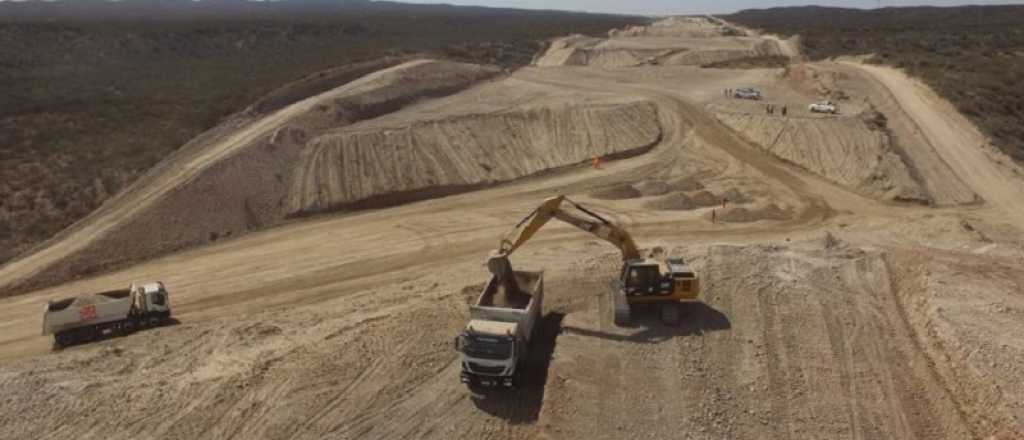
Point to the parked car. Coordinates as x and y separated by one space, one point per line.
747 93
823 107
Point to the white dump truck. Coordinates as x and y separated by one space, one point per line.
117 312
496 341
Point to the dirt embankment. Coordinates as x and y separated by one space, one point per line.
673 41
229 181
759 49
688 27
846 150
385 167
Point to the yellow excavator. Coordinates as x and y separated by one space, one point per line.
666 281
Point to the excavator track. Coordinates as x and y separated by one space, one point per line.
670 313
622 310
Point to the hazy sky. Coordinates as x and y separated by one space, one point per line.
663 7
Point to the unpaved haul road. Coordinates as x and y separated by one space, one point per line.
958 142
341 326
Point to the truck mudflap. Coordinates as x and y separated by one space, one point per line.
471 379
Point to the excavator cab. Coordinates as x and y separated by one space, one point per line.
642 279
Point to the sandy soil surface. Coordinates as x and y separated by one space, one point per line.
829 309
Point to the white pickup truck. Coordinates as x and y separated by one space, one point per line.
496 341
823 107
117 312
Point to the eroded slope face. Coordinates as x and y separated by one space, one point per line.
304 160
465 151
845 150
229 180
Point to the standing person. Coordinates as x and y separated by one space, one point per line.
767 109
783 110
713 216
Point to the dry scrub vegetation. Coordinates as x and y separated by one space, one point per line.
973 56
91 100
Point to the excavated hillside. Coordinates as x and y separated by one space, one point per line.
448 155
304 159
846 150
579 50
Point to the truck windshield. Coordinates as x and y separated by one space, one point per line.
486 347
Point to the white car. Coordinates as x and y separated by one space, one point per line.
823 107
747 93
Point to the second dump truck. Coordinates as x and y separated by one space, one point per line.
495 343
88 317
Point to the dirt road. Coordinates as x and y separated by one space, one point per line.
901 324
989 173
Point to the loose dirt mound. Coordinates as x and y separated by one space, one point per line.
845 150
653 187
672 202
680 201
705 198
686 184
743 214
341 169
618 192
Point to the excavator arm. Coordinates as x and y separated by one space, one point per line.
591 222
552 208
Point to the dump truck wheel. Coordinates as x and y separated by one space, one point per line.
622 311
670 314
128 327
62 339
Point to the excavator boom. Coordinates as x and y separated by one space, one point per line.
590 222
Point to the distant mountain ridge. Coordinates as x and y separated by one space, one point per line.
61 10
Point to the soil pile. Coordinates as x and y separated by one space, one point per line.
743 214
681 201
653 187
672 202
617 192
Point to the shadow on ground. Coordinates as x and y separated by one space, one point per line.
695 320
522 404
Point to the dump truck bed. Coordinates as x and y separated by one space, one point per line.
522 307
90 309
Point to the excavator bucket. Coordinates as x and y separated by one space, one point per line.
501 268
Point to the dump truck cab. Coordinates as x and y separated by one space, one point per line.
495 343
489 352
152 298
